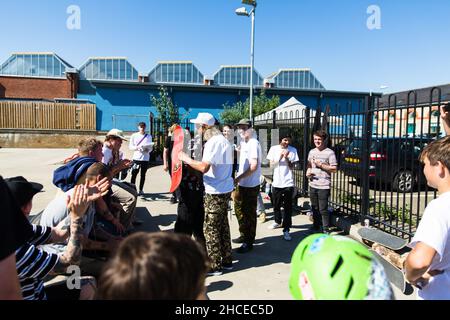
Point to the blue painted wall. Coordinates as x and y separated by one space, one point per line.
123 106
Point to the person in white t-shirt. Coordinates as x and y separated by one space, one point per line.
216 166
248 183
141 143
427 266
282 158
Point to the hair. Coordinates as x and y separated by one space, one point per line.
142 124
173 127
88 145
227 125
155 266
284 136
438 150
98 169
321 133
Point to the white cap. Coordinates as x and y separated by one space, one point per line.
204 118
116 133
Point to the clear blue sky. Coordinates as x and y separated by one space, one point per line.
411 50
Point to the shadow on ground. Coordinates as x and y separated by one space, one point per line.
153 223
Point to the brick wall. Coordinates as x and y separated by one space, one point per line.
37 88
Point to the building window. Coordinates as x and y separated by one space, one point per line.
391 125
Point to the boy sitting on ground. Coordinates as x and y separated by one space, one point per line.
33 263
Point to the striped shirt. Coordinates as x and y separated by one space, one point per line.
34 264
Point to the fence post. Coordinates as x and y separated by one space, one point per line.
306 135
367 140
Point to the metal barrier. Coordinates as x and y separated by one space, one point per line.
377 144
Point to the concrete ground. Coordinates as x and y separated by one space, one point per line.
262 274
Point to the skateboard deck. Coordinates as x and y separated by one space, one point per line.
177 165
394 274
383 238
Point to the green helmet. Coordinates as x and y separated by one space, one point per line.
336 268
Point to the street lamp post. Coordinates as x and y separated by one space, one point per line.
243 12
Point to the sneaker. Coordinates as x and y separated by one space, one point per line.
215 272
287 236
274 226
173 200
262 217
246 247
141 193
238 240
228 266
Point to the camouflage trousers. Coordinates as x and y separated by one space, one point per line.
245 201
217 229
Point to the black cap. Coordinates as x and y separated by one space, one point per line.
22 190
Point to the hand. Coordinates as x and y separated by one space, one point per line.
120 228
445 115
166 168
309 173
236 180
284 154
124 164
98 190
78 203
318 163
182 156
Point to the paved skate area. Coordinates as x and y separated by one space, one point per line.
262 274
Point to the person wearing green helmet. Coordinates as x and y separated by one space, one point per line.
328 267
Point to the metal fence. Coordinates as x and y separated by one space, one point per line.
377 144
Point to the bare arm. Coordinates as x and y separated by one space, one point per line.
418 262
60 233
203 167
165 158
445 116
328 168
77 206
10 287
252 168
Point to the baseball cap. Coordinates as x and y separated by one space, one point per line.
244 122
22 190
204 118
116 133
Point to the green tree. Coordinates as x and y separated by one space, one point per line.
261 104
168 112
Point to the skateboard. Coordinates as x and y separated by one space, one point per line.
177 165
372 235
383 246
394 274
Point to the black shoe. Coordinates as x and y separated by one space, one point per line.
228 266
173 200
238 240
246 247
326 231
137 222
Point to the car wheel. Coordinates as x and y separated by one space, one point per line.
404 181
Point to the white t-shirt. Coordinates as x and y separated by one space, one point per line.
434 231
218 153
108 156
146 145
282 174
250 150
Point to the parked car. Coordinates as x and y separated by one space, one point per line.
392 161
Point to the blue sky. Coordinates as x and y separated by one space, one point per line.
329 36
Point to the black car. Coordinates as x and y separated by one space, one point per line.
392 161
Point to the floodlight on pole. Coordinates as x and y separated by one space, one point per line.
243 12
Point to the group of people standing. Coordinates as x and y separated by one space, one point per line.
212 180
